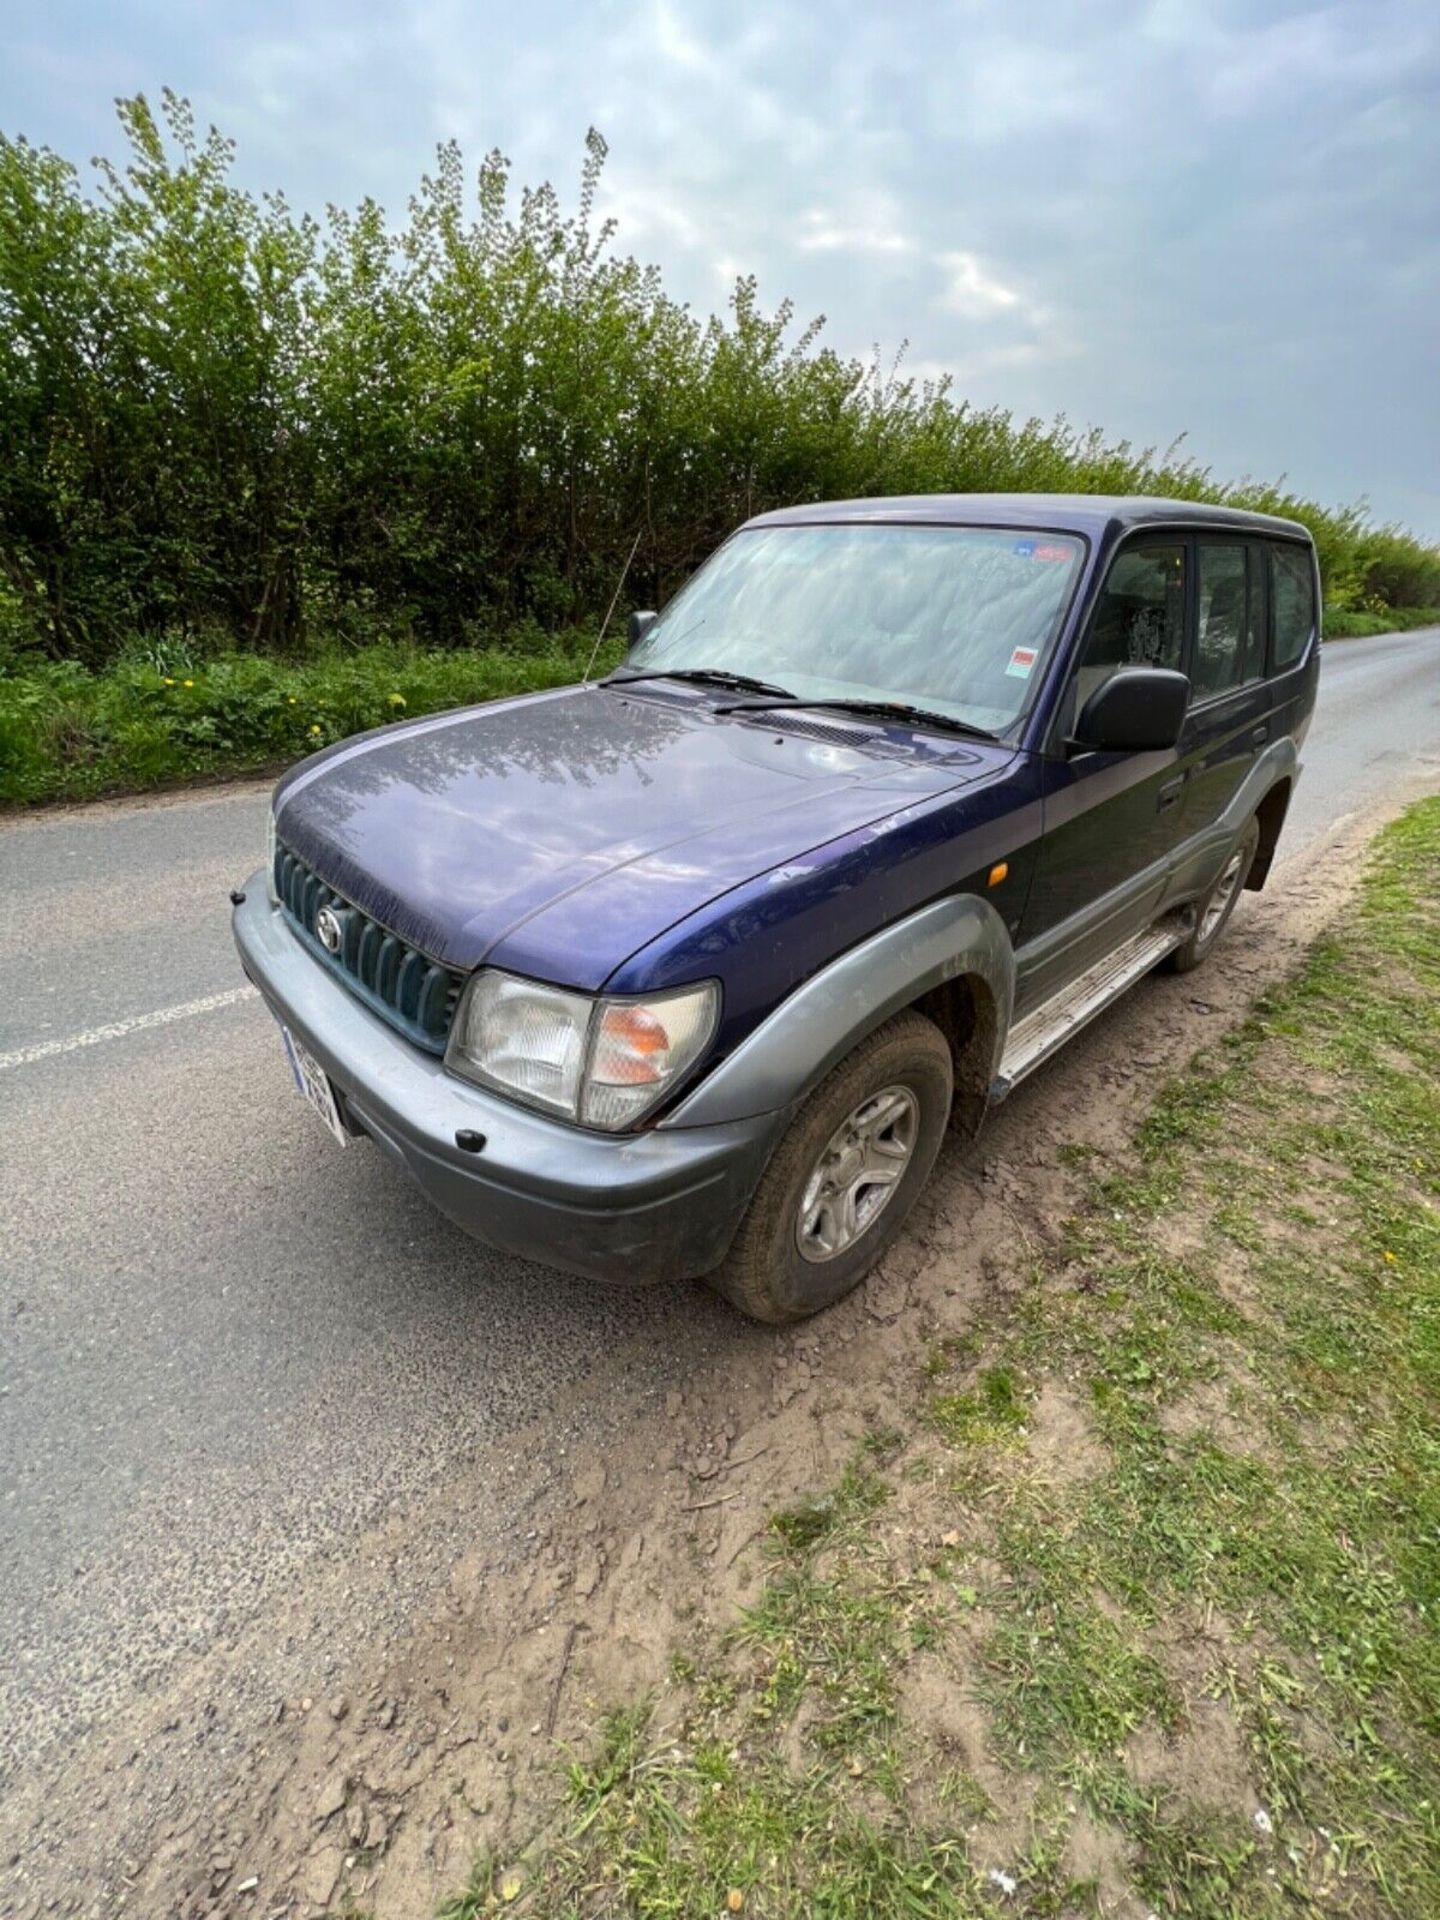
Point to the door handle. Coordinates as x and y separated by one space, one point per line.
1259 735
1170 793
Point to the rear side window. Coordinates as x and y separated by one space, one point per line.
1230 627
1223 619
1292 598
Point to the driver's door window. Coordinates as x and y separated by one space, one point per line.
1139 620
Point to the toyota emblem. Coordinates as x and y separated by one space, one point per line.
328 930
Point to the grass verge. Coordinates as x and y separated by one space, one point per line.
1136 1612
1344 623
164 716
67 734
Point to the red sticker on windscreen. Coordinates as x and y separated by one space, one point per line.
1053 553
1021 661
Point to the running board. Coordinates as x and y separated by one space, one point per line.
1043 1032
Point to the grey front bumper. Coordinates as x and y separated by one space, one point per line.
634 1208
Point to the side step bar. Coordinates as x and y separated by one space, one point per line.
1033 1039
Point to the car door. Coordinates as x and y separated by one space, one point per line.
1111 819
1229 718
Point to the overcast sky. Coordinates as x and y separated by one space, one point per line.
1216 217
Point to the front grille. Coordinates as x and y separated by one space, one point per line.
399 982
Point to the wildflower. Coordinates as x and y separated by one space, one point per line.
168 681
314 729
397 699
292 699
189 683
1390 1258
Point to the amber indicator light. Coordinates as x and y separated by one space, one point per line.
998 872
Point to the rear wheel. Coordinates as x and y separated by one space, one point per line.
1216 907
841 1182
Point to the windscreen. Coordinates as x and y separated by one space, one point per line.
956 619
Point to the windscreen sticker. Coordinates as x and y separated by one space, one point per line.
1025 549
1021 661
1053 553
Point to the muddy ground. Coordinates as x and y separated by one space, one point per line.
372 1789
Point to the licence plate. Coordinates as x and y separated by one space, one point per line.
314 1083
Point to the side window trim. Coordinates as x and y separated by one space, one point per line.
1270 598
1190 636
1260 584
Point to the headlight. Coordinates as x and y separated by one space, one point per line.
270 852
603 1063
525 1038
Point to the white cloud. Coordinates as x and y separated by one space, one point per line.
647 213
675 42
818 234
974 292
873 225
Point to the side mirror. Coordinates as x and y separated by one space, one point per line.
638 625
1137 710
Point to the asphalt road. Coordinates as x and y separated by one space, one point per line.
226 1346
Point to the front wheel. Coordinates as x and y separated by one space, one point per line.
1216 907
842 1180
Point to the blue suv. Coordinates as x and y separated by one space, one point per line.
685 972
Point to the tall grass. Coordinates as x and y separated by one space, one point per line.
166 715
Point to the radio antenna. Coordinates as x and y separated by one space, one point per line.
585 677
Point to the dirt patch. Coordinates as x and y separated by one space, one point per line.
1208 1761
965 1786
378 1786
1063 1445
1206 1409
1098 1854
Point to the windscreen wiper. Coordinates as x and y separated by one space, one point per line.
705 677
881 709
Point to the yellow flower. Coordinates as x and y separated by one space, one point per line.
314 729
397 699
188 683
292 699
1390 1256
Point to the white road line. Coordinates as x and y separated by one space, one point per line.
117 1030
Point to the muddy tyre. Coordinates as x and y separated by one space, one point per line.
1213 910
843 1179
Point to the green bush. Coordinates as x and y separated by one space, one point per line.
1348 623
67 733
226 427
